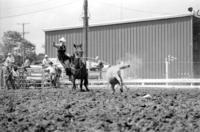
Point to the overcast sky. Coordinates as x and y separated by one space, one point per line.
43 14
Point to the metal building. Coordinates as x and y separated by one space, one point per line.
147 43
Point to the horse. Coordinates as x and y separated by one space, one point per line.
74 66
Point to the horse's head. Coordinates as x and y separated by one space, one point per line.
78 50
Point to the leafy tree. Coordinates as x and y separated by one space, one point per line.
13 39
10 39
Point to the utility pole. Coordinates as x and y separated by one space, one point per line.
23 36
85 27
23 29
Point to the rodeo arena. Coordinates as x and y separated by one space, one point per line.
127 76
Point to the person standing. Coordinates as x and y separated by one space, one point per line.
10 60
26 64
52 72
15 74
8 71
99 66
46 61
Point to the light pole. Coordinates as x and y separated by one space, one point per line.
85 27
195 13
168 59
23 36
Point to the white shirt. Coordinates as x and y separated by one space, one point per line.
45 61
51 70
27 62
15 73
9 61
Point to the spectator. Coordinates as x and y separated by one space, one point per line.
8 70
15 74
52 72
99 66
9 60
46 61
26 64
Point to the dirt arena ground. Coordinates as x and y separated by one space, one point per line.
62 110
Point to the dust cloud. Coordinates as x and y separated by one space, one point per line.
128 73
135 66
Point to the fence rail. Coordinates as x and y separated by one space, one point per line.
33 77
154 83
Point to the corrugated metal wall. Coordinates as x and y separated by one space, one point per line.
146 44
196 47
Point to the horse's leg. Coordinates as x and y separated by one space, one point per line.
113 88
7 83
74 83
121 88
54 81
86 83
81 85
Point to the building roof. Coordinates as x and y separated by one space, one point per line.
121 22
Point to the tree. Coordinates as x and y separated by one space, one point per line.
13 39
1 49
10 39
1 53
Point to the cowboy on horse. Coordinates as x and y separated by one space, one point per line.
62 57
74 66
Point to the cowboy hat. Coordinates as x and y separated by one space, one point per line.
62 39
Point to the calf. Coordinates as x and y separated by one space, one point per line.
114 76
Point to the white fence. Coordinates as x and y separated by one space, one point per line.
34 77
154 83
